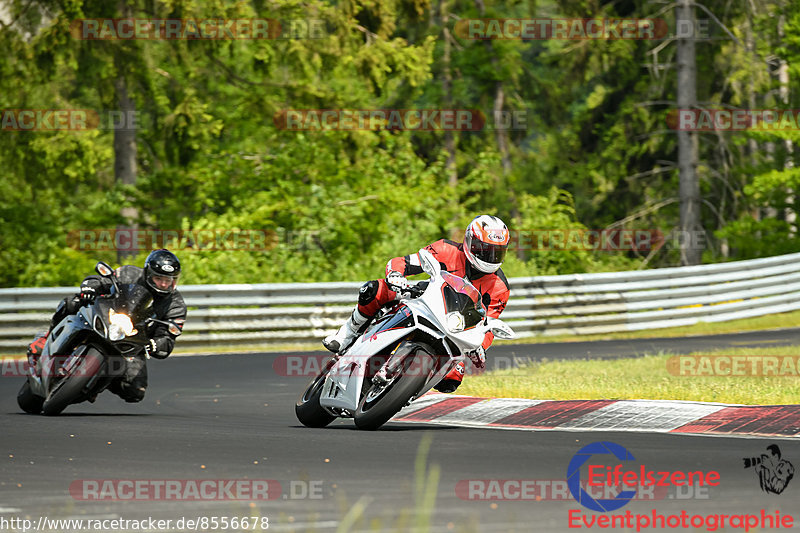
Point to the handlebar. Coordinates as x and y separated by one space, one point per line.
416 291
412 291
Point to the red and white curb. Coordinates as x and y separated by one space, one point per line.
653 416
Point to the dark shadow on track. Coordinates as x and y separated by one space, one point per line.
387 428
81 415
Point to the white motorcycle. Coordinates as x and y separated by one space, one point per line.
402 353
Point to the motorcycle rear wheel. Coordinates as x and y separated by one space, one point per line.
28 401
378 406
70 388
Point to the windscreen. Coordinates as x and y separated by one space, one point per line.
132 300
462 296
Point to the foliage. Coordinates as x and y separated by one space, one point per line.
593 149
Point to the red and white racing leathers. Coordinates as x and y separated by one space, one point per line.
493 286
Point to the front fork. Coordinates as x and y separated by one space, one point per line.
386 373
388 370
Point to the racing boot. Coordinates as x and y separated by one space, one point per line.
453 379
35 348
347 333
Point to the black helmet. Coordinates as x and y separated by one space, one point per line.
162 270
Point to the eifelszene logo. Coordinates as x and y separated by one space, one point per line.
774 473
616 476
609 466
574 476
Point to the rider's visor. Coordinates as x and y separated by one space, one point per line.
164 283
488 252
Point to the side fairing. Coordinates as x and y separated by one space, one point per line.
59 342
343 384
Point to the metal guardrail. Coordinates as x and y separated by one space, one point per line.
281 313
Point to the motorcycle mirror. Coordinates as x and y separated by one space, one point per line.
500 329
103 269
429 265
172 327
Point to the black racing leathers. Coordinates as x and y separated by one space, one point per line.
131 387
166 306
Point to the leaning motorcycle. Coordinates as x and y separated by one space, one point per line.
86 351
402 353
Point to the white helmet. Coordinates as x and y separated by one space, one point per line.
486 243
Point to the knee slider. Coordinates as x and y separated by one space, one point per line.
65 307
71 305
368 292
131 393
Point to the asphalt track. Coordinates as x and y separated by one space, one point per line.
231 417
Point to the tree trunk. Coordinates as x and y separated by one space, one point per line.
124 139
447 91
783 91
690 223
125 159
752 144
501 135
500 132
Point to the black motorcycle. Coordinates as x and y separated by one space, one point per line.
87 351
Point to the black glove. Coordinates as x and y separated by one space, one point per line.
397 281
151 350
404 288
478 357
87 295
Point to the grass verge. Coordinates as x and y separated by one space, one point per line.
637 378
776 321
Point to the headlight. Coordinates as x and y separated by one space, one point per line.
455 321
120 326
115 333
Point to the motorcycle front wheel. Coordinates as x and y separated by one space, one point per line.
70 388
307 409
381 402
